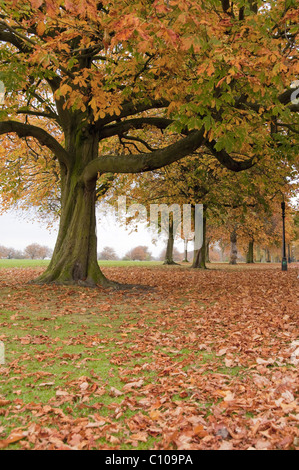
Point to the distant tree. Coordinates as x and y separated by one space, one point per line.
45 252
177 256
36 251
140 253
18 254
11 253
107 253
3 252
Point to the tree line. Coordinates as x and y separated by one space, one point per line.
32 251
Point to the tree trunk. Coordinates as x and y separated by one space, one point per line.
185 260
199 256
258 254
74 259
170 244
289 254
208 251
222 248
234 250
249 256
268 256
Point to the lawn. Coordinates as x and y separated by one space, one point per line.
200 360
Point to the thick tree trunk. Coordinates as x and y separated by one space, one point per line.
268 256
74 259
233 250
249 256
199 256
170 244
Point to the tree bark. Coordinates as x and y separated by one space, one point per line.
208 251
249 256
222 250
185 260
74 259
289 254
234 250
199 256
258 254
170 244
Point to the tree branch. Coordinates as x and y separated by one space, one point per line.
226 160
6 35
141 141
42 136
144 161
225 5
137 123
284 98
39 114
130 109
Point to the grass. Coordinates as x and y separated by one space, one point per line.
35 263
23 263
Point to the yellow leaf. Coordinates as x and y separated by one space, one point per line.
41 28
155 414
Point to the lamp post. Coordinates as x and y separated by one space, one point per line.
284 263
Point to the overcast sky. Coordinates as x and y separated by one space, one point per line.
17 230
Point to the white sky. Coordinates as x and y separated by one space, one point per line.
18 230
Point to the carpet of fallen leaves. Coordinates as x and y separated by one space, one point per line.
204 360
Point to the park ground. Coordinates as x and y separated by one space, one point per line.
199 360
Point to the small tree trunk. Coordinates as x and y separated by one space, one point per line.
199 256
268 256
208 251
185 260
234 250
249 257
170 244
289 254
222 248
258 254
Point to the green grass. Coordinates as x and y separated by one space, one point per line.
32 263
23 263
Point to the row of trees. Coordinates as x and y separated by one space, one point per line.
32 251
140 253
217 251
242 209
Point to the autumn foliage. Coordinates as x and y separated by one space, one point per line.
81 75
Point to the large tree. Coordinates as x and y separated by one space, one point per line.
217 73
